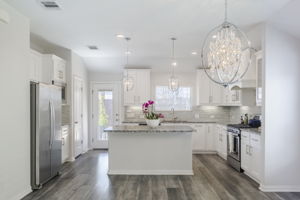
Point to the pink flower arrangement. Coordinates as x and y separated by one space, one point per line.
148 111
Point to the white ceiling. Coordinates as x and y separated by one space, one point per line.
150 24
288 18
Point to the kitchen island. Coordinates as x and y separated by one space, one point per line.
141 150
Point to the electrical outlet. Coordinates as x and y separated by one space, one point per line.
197 116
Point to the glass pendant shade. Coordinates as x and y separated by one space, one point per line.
173 83
128 83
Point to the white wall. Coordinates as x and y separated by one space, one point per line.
281 111
102 77
14 106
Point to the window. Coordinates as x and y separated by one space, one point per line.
165 100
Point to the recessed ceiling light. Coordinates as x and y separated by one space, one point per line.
127 52
194 53
214 36
92 47
120 36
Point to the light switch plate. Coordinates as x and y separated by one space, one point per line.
197 116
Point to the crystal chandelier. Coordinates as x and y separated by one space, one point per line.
127 80
173 80
226 53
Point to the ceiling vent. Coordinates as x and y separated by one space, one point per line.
49 4
93 47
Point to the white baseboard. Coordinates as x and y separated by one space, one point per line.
279 188
204 152
150 172
22 194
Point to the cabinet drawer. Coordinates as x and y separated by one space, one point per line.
255 140
245 137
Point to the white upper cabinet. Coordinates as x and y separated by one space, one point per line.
141 87
36 62
259 66
54 69
208 92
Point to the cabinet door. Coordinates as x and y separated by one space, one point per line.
259 65
216 93
245 159
255 152
203 88
130 96
65 148
59 70
199 138
35 66
219 139
210 138
224 142
235 97
143 86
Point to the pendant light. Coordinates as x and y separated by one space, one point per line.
128 81
173 80
226 53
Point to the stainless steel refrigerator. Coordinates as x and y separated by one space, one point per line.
45 117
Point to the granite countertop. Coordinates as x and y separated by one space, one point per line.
252 130
172 122
147 129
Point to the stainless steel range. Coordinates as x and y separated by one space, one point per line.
234 145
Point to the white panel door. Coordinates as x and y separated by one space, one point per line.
105 111
78 105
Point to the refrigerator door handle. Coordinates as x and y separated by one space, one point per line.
51 123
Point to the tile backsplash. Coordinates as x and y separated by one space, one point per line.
198 113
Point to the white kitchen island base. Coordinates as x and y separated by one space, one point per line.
151 153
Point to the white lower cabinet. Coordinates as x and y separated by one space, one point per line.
203 138
198 138
251 154
221 140
65 149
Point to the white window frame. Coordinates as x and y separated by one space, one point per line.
177 110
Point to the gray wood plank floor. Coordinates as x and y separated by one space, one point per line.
86 178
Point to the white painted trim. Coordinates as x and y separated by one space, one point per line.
204 152
250 176
22 194
91 119
279 188
150 172
72 117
